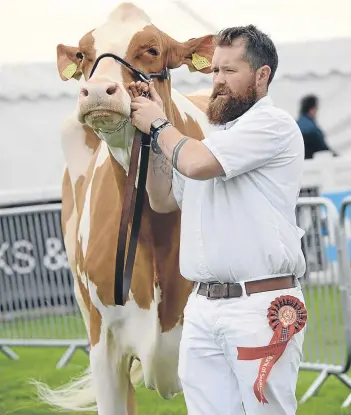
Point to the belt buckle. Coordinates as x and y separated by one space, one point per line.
209 284
208 291
225 293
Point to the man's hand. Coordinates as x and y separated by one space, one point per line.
144 110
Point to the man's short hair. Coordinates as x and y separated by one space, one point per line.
260 49
307 103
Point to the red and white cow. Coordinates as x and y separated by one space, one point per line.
141 339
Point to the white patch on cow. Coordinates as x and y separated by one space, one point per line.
84 225
109 377
77 154
78 157
187 108
137 332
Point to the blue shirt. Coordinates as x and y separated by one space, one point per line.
313 136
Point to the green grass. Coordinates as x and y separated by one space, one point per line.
18 397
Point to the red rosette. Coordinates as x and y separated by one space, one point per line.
287 315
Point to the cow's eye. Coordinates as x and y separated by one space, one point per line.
79 55
153 51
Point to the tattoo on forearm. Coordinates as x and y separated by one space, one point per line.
160 164
176 150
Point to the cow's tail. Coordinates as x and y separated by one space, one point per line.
78 395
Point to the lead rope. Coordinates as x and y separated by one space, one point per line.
132 208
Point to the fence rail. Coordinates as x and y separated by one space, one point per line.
37 303
38 308
327 343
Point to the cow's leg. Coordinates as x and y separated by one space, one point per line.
110 372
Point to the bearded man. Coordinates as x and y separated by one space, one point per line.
237 190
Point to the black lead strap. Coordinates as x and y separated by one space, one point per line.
133 200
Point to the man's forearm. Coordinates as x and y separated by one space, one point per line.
159 183
193 160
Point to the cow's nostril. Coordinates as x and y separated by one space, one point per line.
111 89
84 92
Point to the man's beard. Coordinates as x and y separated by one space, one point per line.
223 109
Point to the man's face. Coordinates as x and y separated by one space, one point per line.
235 87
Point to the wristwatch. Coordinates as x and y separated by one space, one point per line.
156 127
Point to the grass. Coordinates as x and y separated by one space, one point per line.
323 343
17 396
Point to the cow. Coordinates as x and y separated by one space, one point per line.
137 342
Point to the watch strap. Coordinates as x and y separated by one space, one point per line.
155 134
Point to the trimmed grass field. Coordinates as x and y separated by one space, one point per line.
323 343
17 396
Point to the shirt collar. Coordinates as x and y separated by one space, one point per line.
262 102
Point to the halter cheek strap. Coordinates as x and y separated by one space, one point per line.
142 76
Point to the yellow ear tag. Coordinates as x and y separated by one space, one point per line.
200 62
69 71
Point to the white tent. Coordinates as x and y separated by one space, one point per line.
34 101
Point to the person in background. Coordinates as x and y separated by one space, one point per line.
313 136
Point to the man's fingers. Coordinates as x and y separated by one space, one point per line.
140 100
135 105
154 95
134 120
142 87
132 90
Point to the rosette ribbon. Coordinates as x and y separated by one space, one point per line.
287 315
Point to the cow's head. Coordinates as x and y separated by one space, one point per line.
104 103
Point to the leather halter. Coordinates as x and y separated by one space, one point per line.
133 199
142 76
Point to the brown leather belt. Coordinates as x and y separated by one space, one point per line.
215 290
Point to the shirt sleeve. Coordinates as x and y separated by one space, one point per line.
178 183
250 143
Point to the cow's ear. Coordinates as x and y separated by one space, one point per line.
68 63
197 53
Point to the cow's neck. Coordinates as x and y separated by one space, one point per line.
120 144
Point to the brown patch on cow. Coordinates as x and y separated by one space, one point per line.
174 288
79 186
95 325
105 212
94 313
86 47
85 293
201 101
194 128
67 200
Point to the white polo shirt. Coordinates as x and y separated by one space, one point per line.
241 226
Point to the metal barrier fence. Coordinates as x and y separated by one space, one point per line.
38 308
327 340
37 303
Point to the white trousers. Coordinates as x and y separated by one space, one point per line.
214 381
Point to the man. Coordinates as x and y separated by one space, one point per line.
312 135
237 190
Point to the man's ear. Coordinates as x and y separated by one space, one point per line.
197 53
68 64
